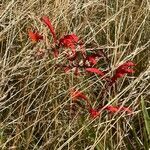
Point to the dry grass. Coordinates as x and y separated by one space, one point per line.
34 96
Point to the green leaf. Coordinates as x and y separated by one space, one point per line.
146 118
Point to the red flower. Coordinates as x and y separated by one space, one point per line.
69 41
122 70
95 70
112 109
47 21
35 36
94 113
128 64
75 94
115 109
126 109
91 59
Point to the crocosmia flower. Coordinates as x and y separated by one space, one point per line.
69 41
95 70
125 109
47 22
92 59
94 113
75 94
114 109
35 36
122 70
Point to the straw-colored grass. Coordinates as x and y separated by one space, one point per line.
34 95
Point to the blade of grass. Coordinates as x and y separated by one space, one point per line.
146 117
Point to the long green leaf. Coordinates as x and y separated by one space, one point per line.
146 117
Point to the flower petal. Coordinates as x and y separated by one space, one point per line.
95 70
126 109
115 109
112 109
91 60
75 94
94 113
122 70
47 21
69 41
129 63
35 36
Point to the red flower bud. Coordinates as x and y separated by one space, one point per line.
95 70
115 109
94 113
35 36
47 22
112 109
75 94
